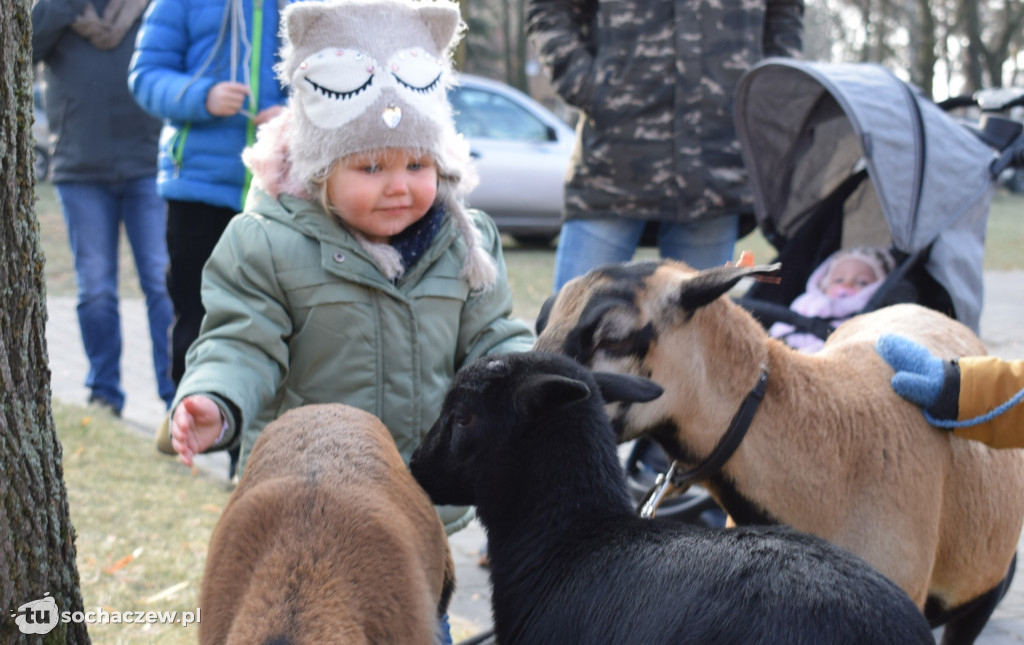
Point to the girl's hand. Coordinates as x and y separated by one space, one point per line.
226 98
195 426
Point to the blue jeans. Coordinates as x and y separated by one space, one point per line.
94 212
444 632
586 244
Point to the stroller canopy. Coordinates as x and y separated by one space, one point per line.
805 127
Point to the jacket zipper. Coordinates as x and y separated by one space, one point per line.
178 148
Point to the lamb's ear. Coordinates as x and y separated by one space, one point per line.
541 393
709 284
626 388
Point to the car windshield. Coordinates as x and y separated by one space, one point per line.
486 115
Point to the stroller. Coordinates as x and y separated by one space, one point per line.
846 155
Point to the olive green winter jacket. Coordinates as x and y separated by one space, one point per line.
298 313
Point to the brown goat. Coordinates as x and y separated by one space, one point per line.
832 450
327 538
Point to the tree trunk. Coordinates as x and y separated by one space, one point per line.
925 56
507 37
975 47
37 548
521 82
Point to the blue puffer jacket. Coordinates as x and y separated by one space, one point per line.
173 71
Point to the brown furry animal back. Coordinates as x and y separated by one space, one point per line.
327 538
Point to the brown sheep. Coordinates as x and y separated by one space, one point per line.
327 538
831 451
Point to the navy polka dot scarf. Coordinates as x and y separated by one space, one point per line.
415 240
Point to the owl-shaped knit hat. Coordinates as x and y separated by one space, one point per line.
373 74
368 75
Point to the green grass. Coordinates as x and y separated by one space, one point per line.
531 270
1004 237
142 523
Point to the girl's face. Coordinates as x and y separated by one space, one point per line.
381 194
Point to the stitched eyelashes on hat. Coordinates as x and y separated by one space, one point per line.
336 85
423 90
339 94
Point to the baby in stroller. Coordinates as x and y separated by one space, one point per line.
839 288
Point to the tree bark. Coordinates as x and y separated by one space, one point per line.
925 55
37 549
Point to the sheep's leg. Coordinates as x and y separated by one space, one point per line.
965 623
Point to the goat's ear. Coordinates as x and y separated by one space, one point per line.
626 388
706 286
541 393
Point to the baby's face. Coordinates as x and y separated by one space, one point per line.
846 277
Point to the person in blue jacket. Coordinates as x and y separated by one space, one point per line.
206 67
104 170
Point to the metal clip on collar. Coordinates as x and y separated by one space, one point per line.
652 500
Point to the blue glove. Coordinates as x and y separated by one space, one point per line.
921 377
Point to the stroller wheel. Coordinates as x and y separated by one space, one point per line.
696 506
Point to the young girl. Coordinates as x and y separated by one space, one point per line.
354 275
839 288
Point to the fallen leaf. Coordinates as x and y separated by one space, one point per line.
123 562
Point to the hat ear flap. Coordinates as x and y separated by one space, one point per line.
443 20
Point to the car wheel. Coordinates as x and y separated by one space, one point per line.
534 239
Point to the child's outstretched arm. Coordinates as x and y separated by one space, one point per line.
196 425
976 397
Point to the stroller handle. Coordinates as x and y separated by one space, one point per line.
993 99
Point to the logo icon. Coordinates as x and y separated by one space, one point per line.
38 616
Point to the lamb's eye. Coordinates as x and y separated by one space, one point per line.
463 418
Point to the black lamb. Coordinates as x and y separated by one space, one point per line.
525 438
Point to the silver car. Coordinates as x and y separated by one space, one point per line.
521 150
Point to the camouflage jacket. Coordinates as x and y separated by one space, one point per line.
654 80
